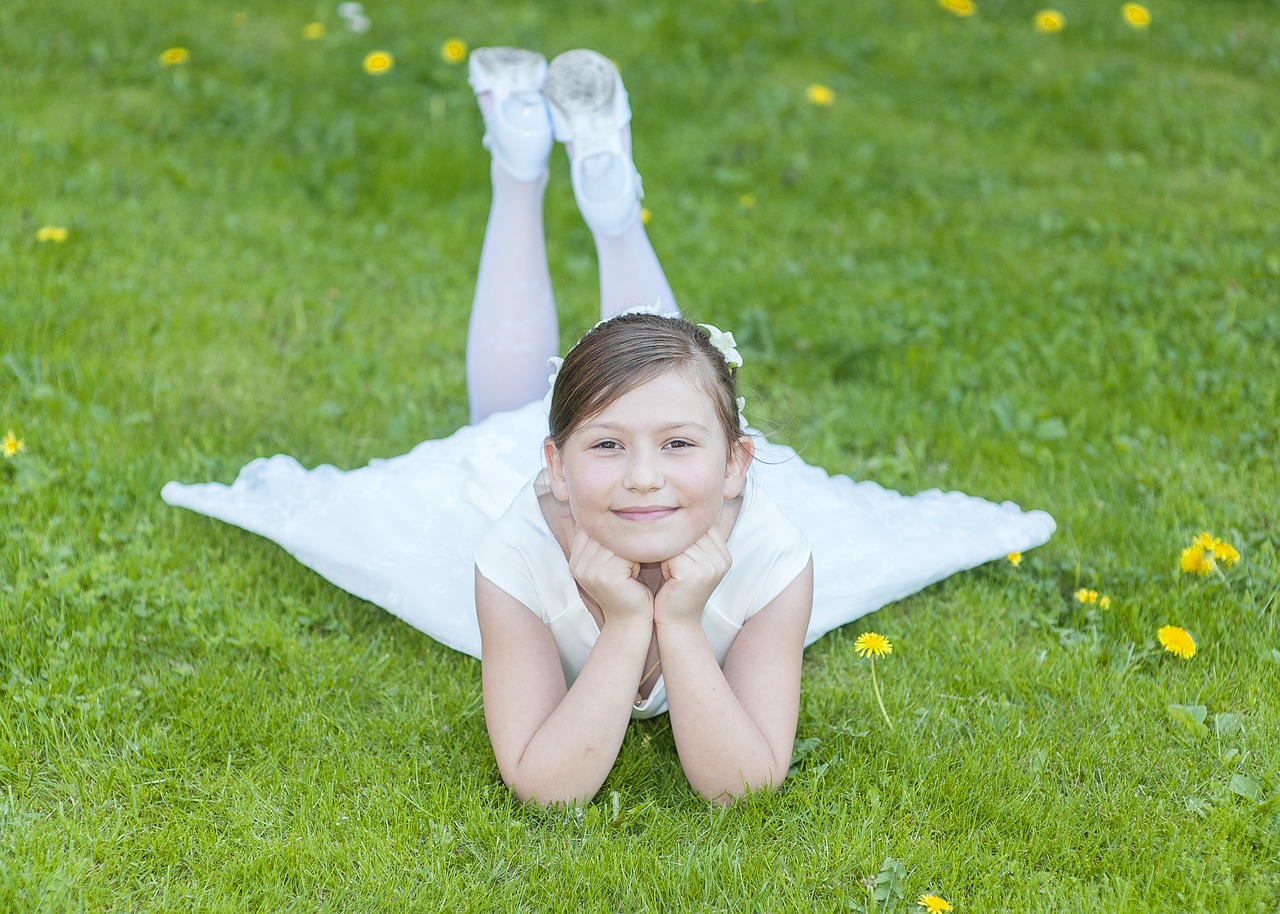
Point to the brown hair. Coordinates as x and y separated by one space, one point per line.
629 350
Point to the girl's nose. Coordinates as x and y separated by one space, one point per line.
643 474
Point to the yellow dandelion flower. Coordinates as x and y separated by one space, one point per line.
934 904
313 31
1104 601
55 233
174 57
1177 641
1015 558
820 95
1084 595
645 215
1225 553
1049 21
1136 15
454 50
1197 560
378 62
747 200
1205 551
958 7
12 444
869 644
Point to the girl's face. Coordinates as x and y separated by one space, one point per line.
648 476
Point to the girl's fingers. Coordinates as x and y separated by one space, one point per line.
716 544
602 573
708 552
697 570
584 547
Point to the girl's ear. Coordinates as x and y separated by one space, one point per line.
555 470
735 471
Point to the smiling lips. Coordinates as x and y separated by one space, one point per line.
645 514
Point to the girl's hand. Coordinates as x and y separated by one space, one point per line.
611 581
689 579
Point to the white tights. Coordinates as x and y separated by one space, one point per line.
513 329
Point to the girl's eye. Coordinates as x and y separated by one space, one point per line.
679 443
605 445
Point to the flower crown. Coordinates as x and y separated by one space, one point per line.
722 340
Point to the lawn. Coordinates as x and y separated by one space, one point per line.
1032 265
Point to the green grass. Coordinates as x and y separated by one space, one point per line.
1043 268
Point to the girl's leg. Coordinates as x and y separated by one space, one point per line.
592 117
630 274
513 329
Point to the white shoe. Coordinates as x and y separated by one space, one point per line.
518 127
589 109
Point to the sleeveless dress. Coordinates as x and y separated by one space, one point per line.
402 532
521 555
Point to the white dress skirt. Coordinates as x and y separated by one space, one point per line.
402 532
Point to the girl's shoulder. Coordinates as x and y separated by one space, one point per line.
521 555
763 526
768 550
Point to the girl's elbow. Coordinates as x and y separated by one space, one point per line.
545 797
743 789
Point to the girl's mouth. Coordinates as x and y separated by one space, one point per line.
643 515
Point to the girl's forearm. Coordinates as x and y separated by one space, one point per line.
723 753
573 751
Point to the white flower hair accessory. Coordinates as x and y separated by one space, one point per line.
554 364
728 347
724 341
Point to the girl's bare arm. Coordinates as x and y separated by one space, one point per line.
555 745
734 728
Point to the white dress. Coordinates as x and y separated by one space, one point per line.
402 532
522 556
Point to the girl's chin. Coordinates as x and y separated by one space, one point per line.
650 561
648 554
646 546
646 557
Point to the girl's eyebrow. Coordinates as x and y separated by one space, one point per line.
665 427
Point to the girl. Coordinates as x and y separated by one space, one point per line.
622 554
632 575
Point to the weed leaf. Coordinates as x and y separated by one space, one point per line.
1191 719
1244 786
889 890
1226 723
